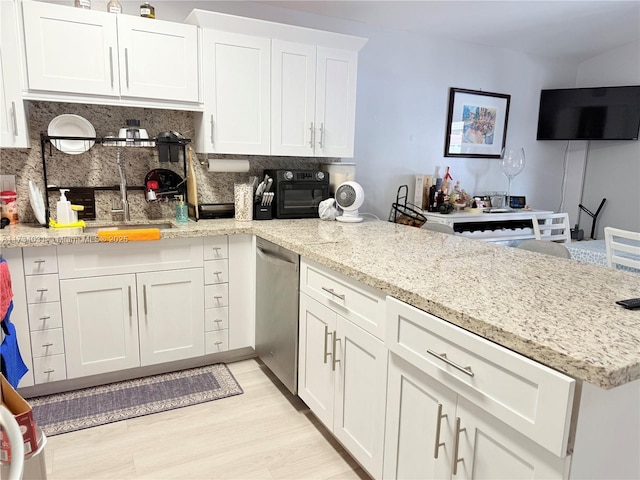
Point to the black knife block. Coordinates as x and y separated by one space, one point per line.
262 212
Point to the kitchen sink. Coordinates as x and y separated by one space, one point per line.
127 226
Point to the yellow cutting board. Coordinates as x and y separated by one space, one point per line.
192 185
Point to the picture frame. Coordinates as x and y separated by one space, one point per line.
476 123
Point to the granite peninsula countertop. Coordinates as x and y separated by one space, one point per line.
558 312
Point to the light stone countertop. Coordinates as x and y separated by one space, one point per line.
556 311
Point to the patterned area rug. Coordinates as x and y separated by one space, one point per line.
90 407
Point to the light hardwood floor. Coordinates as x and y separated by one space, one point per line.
265 433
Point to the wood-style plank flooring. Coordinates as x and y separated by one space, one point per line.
265 433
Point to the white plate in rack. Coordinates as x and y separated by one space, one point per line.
37 203
69 125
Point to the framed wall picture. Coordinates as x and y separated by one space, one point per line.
476 124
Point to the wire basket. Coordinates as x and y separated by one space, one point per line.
405 213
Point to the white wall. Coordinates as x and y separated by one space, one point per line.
613 168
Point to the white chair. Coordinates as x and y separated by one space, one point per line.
438 227
552 227
548 248
619 251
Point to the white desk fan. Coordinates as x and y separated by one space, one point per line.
349 197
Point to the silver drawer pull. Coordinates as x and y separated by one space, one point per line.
443 357
46 345
438 443
217 273
218 320
46 317
457 460
39 260
217 343
51 370
332 292
217 297
42 290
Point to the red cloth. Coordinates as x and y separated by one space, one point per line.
6 294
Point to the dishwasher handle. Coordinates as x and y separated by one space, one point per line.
276 259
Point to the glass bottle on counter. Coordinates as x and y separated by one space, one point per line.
147 10
83 4
114 6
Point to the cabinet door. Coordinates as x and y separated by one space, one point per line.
236 94
158 59
315 361
419 424
100 324
71 49
171 313
13 119
489 449
335 102
293 87
360 394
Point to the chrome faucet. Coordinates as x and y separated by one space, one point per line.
123 205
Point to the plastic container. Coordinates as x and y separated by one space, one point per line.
9 202
182 211
64 214
243 199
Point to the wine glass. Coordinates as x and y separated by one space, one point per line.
512 164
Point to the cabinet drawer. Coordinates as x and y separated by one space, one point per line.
40 260
216 271
44 315
216 248
216 295
42 288
217 341
216 319
45 343
527 395
97 259
49 369
356 301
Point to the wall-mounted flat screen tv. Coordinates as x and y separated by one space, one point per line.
603 113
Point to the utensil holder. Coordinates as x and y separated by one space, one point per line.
262 212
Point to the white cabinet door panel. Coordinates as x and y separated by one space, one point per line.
100 324
71 50
158 59
171 315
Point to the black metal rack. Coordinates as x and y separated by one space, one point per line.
109 142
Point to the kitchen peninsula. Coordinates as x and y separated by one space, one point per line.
556 312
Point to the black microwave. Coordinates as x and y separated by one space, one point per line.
298 192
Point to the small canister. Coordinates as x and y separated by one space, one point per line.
9 206
243 199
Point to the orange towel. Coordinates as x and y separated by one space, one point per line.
134 235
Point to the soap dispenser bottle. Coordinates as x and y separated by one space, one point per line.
64 214
182 211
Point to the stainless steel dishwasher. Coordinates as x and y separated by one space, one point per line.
277 280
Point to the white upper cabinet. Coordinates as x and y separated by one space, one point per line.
275 89
313 91
104 57
236 94
13 120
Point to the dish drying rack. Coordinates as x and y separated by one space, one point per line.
405 213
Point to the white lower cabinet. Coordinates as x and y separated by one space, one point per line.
432 432
342 378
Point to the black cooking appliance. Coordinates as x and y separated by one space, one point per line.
298 192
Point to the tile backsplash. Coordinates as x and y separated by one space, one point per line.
97 167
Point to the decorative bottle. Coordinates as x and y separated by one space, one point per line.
83 4
147 10
182 210
114 6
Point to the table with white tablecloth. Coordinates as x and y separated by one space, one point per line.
594 252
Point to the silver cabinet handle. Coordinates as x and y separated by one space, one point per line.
456 447
126 64
312 135
332 292
443 357
326 343
144 297
213 143
39 261
334 360
111 64
218 320
14 115
42 290
46 345
217 273
320 144
438 444
217 343
45 317
130 303
51 370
